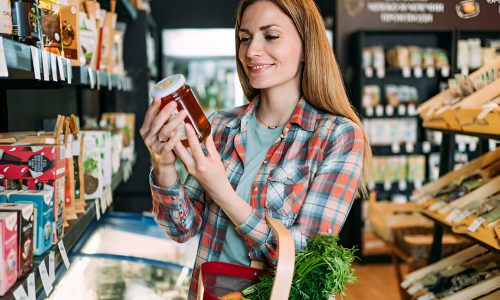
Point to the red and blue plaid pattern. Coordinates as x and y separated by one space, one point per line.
308 180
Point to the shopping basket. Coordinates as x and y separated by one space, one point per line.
220 278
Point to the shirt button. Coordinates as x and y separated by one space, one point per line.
255 189
282 136
330 230
265 161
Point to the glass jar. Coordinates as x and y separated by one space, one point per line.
174 88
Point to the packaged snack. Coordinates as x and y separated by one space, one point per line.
392 95
8 251
416 57
51 26
475 53
92 164
117 57
26 22
463 55
4 195
371 96
5 18
25 221
43 222
89 35
70 30
108 33
398 57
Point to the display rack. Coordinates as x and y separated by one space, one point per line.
71 237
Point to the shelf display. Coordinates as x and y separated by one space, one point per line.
472 55
8 251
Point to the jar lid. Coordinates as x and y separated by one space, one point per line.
168 85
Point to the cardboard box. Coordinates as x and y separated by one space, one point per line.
4 196
8 251
25 220
43 221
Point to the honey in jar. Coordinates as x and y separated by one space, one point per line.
174 88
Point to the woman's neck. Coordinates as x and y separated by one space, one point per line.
277 105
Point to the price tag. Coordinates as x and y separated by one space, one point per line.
462 216
487 109
475 225
418 72
417 287
53 66
61 68
98 80
417 184
369 111
64 255
428 296
473 146
389 110
97 209
45 65
47 284
371 186
379 110
436 206
69 70
387 186
430 72
445 209
462 147
20 293
426 147
110 197
380 73
405 284
31 286
442 110
103 205
409 147
52 267
91 78
119 83
464 71
412 111
402 185
451 217
402 110
36 62
4 72
369 72
395 148
110 82
445 72
406 72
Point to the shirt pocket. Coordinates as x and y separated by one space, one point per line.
286 189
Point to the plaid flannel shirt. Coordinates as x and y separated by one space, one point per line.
308 180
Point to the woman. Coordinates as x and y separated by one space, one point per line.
296 152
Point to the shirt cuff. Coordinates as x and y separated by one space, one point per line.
170 196
255 230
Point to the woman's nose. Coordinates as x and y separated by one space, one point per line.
254 49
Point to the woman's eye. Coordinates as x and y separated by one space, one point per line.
244 39
272 37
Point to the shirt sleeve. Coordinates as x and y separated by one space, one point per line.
327 202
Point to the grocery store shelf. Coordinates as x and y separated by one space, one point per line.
479 135
21 71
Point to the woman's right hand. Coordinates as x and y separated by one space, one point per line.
160 136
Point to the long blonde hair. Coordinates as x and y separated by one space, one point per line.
322 83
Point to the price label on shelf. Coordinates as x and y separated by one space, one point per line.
380 73
445 72
406 72
45 65
110 82
430 72
436 205
369 111
20 293
52 266
475 225
402 109
451 217
445 209
98 80
409 147
405 284
379 110
389 110
417 184
415 288
36 62
369 72
464 71
64 255
412 110
61 67
428 296
4 71
97 209
473 146
426 147
418 72
387 186
396 148
371 186
91 78
53 66
69 70
403 185
31 286
103 204
462 147
47 284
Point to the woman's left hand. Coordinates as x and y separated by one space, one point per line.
208 169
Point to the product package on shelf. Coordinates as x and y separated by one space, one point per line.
43 221
25 221
8 251
466 199
4 195
126 123
26 22
89 34
78 169
5 18
93 167
51 26
469 274
469 104
117 64
70 30
69 189
105 61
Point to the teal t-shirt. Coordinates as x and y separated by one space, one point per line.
259 140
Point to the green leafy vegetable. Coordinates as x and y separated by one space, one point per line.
321 270
90 164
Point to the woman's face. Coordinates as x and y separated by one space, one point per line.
270 46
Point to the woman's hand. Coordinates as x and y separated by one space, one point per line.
160 136
207 169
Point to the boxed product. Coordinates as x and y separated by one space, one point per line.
8 251
39 168
25 220
4 195
43 221
126 123
51 26
5 18
70 30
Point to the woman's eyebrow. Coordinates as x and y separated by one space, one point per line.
261 28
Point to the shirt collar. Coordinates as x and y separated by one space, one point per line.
304 115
